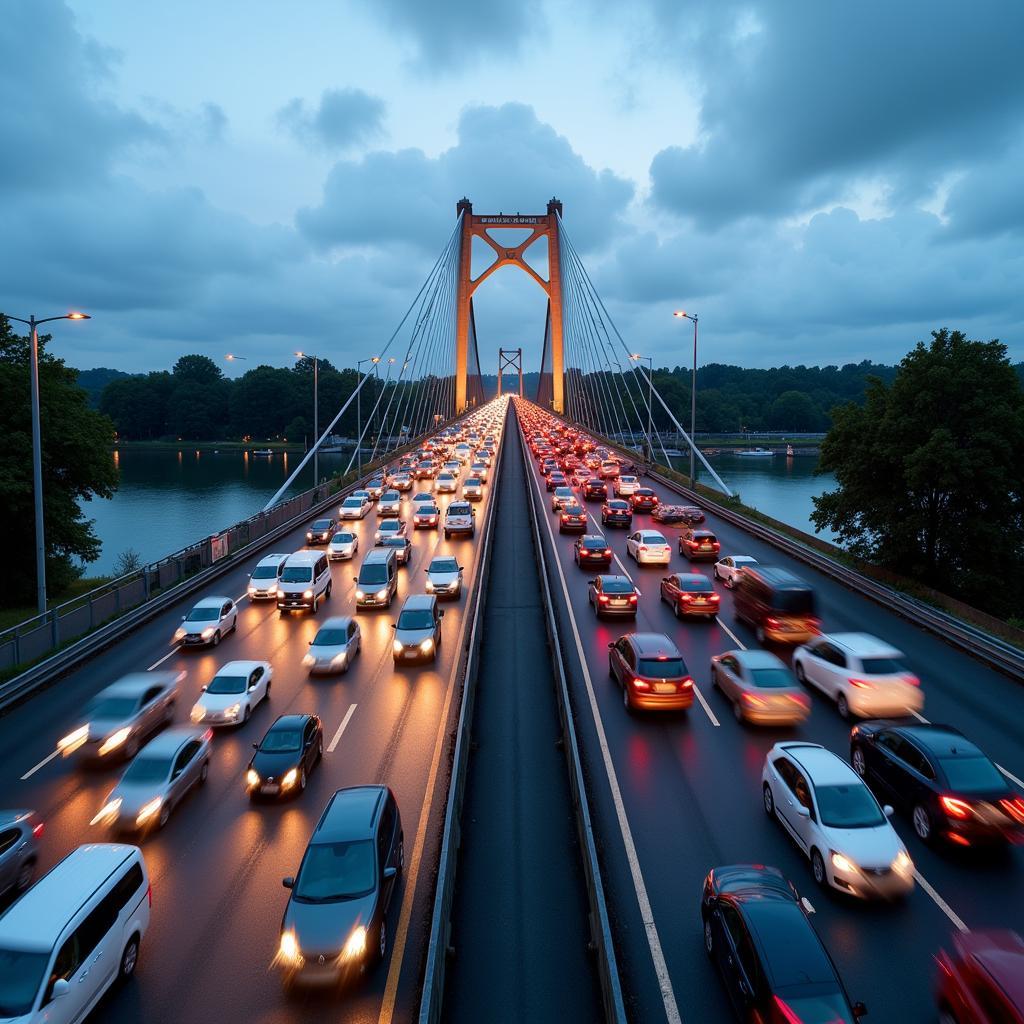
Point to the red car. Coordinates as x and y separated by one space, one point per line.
644 500
982 980
592 549
690 593
651 672
426 517
699 544
595 489
573 519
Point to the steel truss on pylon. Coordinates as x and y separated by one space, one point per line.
510 359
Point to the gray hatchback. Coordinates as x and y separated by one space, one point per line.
19 849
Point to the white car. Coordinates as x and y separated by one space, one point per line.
454 467
463 453
343 546
388 528
729 568
836 821
648 547
864 675
626 486
460 518
336 643
390 503
263 581
484 456
375 488
444 577
447 483
233 692
355 507
421 496
473 488
479 469
208 623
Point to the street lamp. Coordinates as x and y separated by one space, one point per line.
37 449
231 357
359 411
650 400
693 388
316 414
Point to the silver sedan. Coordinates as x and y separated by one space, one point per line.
761 688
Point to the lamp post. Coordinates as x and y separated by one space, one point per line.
37 449
231 357
316 414
693 388
650 401
359 412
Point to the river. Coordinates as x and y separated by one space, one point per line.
168 499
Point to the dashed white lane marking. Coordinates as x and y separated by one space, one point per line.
157 664
618 561
706 706
341 728
736 640
940 902
668 997
919 717
46 760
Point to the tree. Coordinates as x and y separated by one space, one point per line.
198 369
77 466
796 411
931 472
298 430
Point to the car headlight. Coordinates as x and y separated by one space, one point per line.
290 778
307 594
108 812
381 594
355 946
232 712
308 661
840 863
427 646
309 536
179 633
198 713
208 632
289 948
148 810
903 865
114 740
360 595
252 777
70 743
430 585
397 647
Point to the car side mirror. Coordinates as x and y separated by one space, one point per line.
182 619
309 643
251 688
204 689
859 1010
255 746
288 882
355 579
441 613
807 905
390 873
804 812
887 809
610 646
60 988
394 626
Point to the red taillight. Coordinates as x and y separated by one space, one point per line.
686 597
713 597
149 893
772 623
912 680
208 735
861 684
608 552
685 684
717 546
603 598
37 830
954 807
801 699
643 547
754 702
632 598
785 1011
1014 808
641 684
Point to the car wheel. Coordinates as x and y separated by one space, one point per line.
216 639
677 610
769 800
709 938
248 712
165 814
801 675
382 941
25 873
316 604
714 572
922 823
860 765
818 869
204 772
627 701
611 669
327 593
320 749
401 854
266 696
234 622
129 958
842 706
728 583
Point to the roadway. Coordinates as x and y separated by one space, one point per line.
216 868
674 795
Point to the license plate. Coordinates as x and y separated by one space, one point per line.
700 601
617 602
705 547
269 787
664 687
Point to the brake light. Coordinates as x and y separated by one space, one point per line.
717 546
954 807
912 680
641 684
685 684
632 598
861 684
801 699
1014 808
208 735
713 597
643 547
772 623
608 551
37 830
749 698
686 597
603 598
787 1014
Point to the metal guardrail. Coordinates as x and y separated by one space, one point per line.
432 998
600 925
973 641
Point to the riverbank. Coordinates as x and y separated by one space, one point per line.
12 616
207 446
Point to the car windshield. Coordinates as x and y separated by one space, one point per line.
848 806
661 668
701 585
228 684
619 506
281 741
340 539
473 482
427 510
335 871
972 774
444 565
353 503
373 575
883 666
297 574
596 543
112 707
264 572
147 769
395 542
203 614
652 538
20 976
390 496
793 602
617 586
389 526
330 637
820 1008
416 618
458 510
771 678
321 524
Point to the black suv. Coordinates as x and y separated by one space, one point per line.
774 966
335 923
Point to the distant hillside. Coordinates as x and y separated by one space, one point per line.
95 380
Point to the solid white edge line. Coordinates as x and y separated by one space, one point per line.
341 728
45 761
919 717
668 997
940 902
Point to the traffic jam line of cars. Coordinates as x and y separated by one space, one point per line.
837 810
335 922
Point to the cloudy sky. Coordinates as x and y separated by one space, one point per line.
821 182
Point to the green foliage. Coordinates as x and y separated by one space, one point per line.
931 472
76 467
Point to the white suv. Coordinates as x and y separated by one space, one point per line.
863 675
460 518
836 822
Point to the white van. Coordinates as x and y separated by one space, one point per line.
73 934
305 581
263 581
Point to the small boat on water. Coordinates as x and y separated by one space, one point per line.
262 451
753 453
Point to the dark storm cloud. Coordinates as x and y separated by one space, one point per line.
450 34
800 99
343 118
505 159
